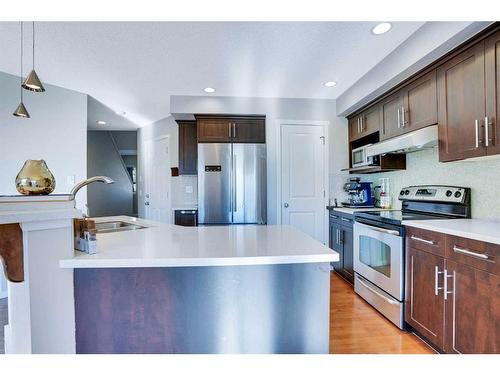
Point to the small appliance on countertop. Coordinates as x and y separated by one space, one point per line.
359 194
379 243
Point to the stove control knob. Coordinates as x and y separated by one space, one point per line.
402 192
407 192
449 193
458 194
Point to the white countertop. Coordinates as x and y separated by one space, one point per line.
475 229
166 245
352 211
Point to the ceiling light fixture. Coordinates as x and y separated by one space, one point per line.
209 90
32 82
100 122
21 110
329 84
381 28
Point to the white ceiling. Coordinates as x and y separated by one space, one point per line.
134 67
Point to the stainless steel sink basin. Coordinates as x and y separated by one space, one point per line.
116 226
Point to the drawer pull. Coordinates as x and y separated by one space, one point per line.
344 219
470 253
428 242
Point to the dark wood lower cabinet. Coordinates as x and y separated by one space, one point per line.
423 306
472 310
342 241
453 301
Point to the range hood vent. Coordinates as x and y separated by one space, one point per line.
404 144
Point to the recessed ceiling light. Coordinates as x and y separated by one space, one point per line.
121 113
209 90
329 84
101 122
381 28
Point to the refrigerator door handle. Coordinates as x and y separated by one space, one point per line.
235 204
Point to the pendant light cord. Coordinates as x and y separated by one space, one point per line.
21 61
33 45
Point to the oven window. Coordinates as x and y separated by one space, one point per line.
375 254
357 157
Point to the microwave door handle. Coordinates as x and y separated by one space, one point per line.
382 230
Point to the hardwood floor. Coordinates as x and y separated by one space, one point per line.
357 328
3 321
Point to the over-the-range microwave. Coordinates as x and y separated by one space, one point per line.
360 158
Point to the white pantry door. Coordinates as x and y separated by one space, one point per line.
157 180
302 178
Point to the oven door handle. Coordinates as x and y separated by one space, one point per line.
382 230
377 293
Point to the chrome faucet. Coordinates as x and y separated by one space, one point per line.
90 180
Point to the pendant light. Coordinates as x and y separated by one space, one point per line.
21 109
32 82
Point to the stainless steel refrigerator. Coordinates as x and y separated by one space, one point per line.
232 183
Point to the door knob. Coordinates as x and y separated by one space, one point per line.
146 203
285 205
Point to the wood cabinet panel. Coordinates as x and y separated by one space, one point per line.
472 310
214 130
342 241
249 130
370 120
478 254
354 129
492 71
391 116
420 103
461 103
424 308
432 242
348 251
188 148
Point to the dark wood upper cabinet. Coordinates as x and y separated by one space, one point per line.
424 308
472 310
461 104
391 116
249 130
214 129
367 123
492 70
231 129
420 103
188 148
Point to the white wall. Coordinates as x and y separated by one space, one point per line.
274 109
427 44
56 132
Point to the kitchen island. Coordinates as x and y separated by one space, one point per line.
212 289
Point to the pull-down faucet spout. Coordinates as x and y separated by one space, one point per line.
90 180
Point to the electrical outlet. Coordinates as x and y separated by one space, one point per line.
189 189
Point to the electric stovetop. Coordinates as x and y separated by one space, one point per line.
396 217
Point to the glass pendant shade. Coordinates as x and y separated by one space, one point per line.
21 111
33 83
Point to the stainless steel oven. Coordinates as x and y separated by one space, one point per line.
379 268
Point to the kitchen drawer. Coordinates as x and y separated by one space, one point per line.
421 239
478 254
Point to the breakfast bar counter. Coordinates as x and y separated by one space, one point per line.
212 289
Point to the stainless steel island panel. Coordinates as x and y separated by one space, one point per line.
223 309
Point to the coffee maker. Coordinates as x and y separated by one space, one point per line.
359 193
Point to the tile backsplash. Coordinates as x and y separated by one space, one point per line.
424 168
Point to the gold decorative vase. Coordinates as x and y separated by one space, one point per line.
35 178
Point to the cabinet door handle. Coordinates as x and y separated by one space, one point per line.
229 129
459 250
358 125
436 280
428 242
487 131
476 124
445 284
362 124
399 118
234 130
403 120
